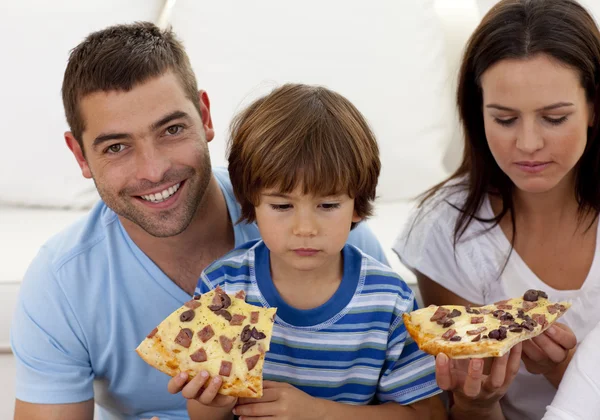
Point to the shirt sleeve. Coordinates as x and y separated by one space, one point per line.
579 392
408 373
364 239
52 360
427 246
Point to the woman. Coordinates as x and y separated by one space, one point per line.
521 212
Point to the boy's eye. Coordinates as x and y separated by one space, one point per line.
330 206
281 207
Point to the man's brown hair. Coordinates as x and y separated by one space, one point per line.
307 136
119 58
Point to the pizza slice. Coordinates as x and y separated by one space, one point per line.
489 331
216 332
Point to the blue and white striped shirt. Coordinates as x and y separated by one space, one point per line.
352 349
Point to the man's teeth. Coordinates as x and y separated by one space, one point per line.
163 195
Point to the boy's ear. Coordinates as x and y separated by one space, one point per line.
355 217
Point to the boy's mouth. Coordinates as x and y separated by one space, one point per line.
306 252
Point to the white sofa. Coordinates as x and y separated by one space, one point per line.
405 92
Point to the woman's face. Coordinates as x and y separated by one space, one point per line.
536 117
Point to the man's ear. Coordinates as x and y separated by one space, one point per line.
206 118
75 148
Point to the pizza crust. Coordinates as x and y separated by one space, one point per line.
428 335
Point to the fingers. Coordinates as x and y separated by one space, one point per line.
269 395
192 389
562 335
497 373
473 380
255 410
514 363
442 372
550 349
177 383
532 351
211 391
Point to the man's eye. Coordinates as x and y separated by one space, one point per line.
174 129
114 148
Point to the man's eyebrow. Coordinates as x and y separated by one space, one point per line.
156 125
545 108
168 118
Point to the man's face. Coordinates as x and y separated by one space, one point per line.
147 152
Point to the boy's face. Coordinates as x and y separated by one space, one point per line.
304 232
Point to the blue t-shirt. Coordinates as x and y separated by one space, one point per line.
88 299
352 349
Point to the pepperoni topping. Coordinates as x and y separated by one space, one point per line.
199 356
446 323
206 333
246 334
192 304
476 319
555 308
247 345
476 339
237 319
476 331
540 319
504 306
152 333
440 313
187 316
455 338
254 317
225 369
225 314
257 335
528 306
217 303
486 311
252 361
449 334
184 338
241 295
226 343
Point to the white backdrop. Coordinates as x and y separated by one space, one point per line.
387 57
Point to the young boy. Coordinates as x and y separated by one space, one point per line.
304 165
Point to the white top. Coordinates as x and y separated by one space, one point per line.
578 397
474 272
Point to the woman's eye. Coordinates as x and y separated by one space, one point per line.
506 122
174 129
556 121
330 206
114 148
281 207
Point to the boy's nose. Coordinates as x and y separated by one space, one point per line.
305 226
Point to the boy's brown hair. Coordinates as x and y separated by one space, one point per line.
119 58
307 136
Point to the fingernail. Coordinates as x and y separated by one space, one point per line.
204 374
183 375
477 364
551 331
442 359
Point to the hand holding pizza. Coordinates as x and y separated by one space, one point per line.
280 401
470 386
201 388
550 353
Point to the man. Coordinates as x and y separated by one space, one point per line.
139 128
